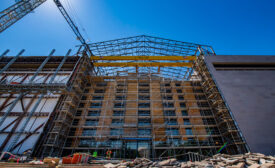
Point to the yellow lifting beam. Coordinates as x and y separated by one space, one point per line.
150 58
143 64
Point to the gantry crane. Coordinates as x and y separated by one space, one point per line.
20 9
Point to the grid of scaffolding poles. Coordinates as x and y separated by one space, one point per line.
155 111
34 89
100 135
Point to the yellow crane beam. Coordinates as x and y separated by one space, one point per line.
143 64
149 58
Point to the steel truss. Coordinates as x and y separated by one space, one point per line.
145 54
56 140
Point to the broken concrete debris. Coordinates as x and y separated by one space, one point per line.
248 160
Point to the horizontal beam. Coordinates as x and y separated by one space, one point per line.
151 58
144 64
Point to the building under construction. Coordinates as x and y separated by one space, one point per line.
136 95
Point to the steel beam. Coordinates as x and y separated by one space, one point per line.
9 125
60 65
25 123
10 108
14 102
17 137
5 104
41 66
144 64
5 53
31 80
150 58
27 136
11 61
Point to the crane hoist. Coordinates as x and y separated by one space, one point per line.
20 9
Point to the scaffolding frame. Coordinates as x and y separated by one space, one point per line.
228 127
211 122
41 81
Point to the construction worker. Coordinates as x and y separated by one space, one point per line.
108 154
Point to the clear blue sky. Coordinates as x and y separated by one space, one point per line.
231 26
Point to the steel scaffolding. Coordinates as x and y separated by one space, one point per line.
149 96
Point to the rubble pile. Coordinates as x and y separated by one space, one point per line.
248 160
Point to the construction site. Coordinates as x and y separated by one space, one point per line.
138 96
128 100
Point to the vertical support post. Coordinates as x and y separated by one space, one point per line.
11 61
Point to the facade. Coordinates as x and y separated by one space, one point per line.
138 96
247 84
28 98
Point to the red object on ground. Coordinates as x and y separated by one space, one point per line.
67 160
15 83
76 158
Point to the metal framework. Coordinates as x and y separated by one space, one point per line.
144 64
40 80
227 125
17 11
145 54
169 101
